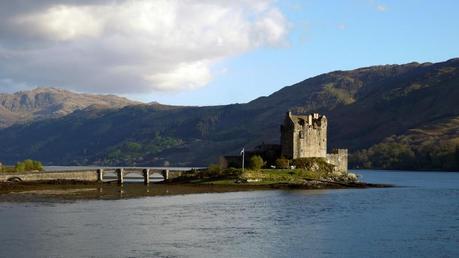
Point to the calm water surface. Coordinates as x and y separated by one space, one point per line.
420 219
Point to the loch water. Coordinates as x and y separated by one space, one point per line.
419 218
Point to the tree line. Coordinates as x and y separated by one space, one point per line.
23 166
400 153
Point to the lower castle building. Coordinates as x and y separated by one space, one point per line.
305 136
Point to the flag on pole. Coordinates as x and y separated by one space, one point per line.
242 151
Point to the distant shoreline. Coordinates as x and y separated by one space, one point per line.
402 170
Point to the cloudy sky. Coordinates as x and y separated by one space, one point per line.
201 52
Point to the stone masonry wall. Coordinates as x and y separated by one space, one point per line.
311 138
339 158
83 175
304 136
287 134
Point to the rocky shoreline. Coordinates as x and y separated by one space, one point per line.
68 190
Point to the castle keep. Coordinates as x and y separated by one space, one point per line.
305 136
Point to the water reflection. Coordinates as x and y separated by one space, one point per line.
416 221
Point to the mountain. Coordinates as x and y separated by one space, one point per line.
44 103
366 108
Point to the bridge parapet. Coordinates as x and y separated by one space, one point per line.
92 175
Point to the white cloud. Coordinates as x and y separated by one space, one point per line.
62 23
381 8
378 6
341 26
186 75
133 46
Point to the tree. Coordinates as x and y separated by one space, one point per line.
20 167
37 165
214 169
256 162
223 163
28 165
282 163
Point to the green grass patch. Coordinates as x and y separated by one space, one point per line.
253 177
283 175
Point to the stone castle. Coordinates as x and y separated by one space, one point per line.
305 136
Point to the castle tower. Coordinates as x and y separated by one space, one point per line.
304 136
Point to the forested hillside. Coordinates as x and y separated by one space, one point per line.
414 106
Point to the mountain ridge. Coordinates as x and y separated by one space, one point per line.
50 102
364 107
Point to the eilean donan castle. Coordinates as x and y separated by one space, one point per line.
305 136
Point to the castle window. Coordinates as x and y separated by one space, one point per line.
301 122
301 134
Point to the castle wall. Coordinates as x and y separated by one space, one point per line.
287 142
304 136
311 138
339 158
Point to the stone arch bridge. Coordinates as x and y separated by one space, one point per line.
94 175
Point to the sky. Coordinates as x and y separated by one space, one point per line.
212 52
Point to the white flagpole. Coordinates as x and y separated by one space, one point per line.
243 159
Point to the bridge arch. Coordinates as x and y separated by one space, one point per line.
14 179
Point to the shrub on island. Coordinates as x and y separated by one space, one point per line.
314 164
256 162
282 163
29 165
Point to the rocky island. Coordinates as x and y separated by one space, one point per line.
301 161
